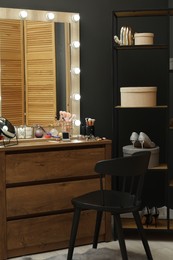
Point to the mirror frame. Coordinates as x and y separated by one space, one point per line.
73 80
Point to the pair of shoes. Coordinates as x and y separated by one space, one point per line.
146 215
155 214
149 215
141 140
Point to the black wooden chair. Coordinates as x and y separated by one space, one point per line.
125 198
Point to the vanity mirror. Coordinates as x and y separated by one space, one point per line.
39 66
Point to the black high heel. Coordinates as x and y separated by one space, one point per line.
155 214
147 215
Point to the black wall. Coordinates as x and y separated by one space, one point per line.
96 49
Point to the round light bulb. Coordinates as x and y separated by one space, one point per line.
50 16
77 96
23 14
75 17
76 71
77 122
75 44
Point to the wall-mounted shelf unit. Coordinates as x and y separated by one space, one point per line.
145 65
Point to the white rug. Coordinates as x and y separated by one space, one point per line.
94 254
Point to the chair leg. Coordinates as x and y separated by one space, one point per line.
119 232
74 229
115 237
97 228
142 234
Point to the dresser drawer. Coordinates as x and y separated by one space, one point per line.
46 198
46 165
47 233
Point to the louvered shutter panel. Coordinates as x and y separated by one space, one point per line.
12 71
40 73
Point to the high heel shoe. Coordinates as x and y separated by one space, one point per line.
145 141
134 138
155 214
146 214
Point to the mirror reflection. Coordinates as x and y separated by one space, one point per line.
39 53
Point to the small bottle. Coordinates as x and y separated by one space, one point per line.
38 132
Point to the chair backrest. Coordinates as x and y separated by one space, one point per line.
129 171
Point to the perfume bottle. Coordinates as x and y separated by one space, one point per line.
38 132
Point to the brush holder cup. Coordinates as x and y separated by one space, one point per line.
90 130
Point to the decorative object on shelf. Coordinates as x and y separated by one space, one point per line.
144 38
141 141
128 150
138 96
126 36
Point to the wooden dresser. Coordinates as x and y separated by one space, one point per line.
37 182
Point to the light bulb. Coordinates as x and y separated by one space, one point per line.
75 17
50 16
76 71
76 96
77 122
75 44
23 14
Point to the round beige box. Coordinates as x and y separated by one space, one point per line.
144 38
138 96
154 157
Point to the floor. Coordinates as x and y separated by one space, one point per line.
161 244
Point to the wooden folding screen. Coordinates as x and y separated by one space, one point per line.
28 72
12 71
40 72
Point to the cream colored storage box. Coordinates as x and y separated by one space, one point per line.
154 157
144 38
138 96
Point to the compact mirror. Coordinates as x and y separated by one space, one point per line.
6 128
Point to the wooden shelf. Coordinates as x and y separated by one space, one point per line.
139 13
162 166
155 107
161 224
171 224
139 47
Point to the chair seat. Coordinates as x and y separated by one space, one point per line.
114 201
